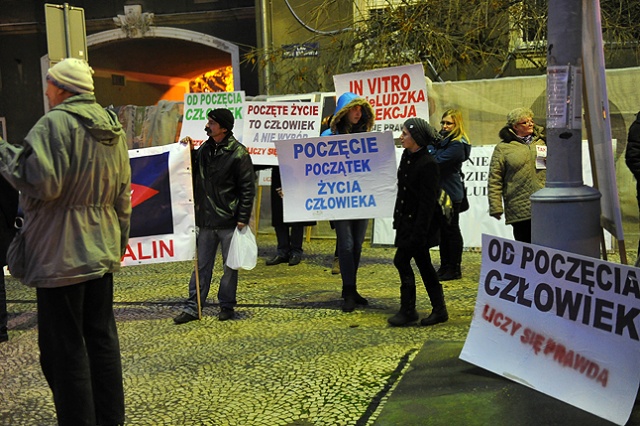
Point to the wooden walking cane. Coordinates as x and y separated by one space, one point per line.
188 141
197 272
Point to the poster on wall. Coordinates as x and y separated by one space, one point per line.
396 94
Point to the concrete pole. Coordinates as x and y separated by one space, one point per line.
565 215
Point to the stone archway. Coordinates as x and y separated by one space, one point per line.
115 35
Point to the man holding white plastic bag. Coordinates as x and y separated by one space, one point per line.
224 190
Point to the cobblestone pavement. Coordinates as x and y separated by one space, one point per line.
291 357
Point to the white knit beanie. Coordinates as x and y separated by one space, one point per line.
73 75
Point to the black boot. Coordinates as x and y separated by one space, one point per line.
446 263
453 272
443 270
407 313
439 312
349 295
436 317
359 300
403 317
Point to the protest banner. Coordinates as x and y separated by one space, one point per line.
476 221
564 324
395 93
162 218
338 177
198 105
267 122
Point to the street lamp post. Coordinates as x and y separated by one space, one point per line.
565 215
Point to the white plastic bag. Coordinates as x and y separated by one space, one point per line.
243 252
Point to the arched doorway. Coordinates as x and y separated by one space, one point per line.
155 66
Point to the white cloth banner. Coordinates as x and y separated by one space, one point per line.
162 219
395 93
267 122
198 105
476 221
338 177
564 324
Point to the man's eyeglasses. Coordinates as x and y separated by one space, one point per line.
448 123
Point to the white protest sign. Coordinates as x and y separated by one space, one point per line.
198 105
476 221
564 324
267 122
338 177
395 93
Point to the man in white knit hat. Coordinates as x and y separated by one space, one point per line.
74 178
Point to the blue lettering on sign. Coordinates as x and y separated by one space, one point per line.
343 202
337 167
332 148
327 188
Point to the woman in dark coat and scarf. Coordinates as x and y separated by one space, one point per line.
415 220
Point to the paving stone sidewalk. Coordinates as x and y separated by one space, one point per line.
291 357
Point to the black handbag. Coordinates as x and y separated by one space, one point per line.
16 255
464 204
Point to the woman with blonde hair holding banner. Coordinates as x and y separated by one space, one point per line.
353 114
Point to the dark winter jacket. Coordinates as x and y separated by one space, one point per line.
632 154
224 184
513 175
416 201
450 155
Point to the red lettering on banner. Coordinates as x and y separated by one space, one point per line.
568 358
256 151
501 321
395 112
389 99
534 339
159 249
547 346
356 87
389 83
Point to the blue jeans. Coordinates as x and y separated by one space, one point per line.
208 241
350 235
80 352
